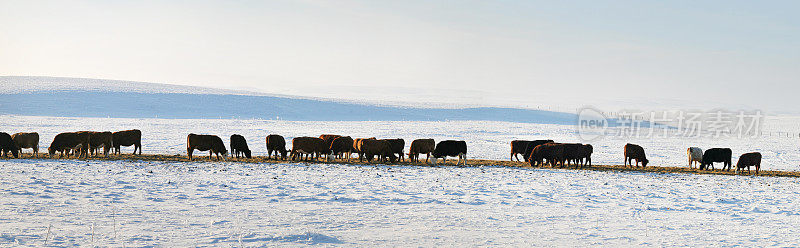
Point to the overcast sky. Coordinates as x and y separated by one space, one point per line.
666 54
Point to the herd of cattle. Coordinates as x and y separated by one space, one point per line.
535 152
332 146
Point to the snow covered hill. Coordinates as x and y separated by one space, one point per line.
76 97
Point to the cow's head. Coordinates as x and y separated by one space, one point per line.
51 150
644 162
248 154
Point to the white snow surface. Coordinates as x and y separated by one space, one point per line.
210 204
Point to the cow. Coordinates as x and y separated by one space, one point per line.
342 146
531 145
635 152
397 146
518 147
7 145
26 140
239 146
67 142
579 154
717 155
747 160
357 150
553 153
328 138
100 139
277 144
309 146
695 155
421 146
451 148
211 143
372 147
127 138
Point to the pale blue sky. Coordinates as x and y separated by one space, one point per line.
667 54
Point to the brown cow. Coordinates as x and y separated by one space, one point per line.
553 153
308 146
98 139
633 151
328 138
66 142
372 147
342 146
747 160
421 146
277 144
397 146
127 138
357 150
211 143
27 140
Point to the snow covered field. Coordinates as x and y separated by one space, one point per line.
116 203
249 205
485 139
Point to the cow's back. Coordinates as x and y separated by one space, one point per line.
422 146
127 137
276 142
26 140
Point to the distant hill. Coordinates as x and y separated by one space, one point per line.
77 97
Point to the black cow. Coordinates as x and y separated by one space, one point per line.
451 148
277 144
239 146
7 145
717 155
531 145
747 160
397 146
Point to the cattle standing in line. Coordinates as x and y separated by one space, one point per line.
553 153
7 145
100 139
357 150
211 143
239 146
309 146
342 147
695 155
450 148
636 152
747 160
328 138
25 141
67 142
127 138
421 146
397 146
277 144
533 144
717 155
372 147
